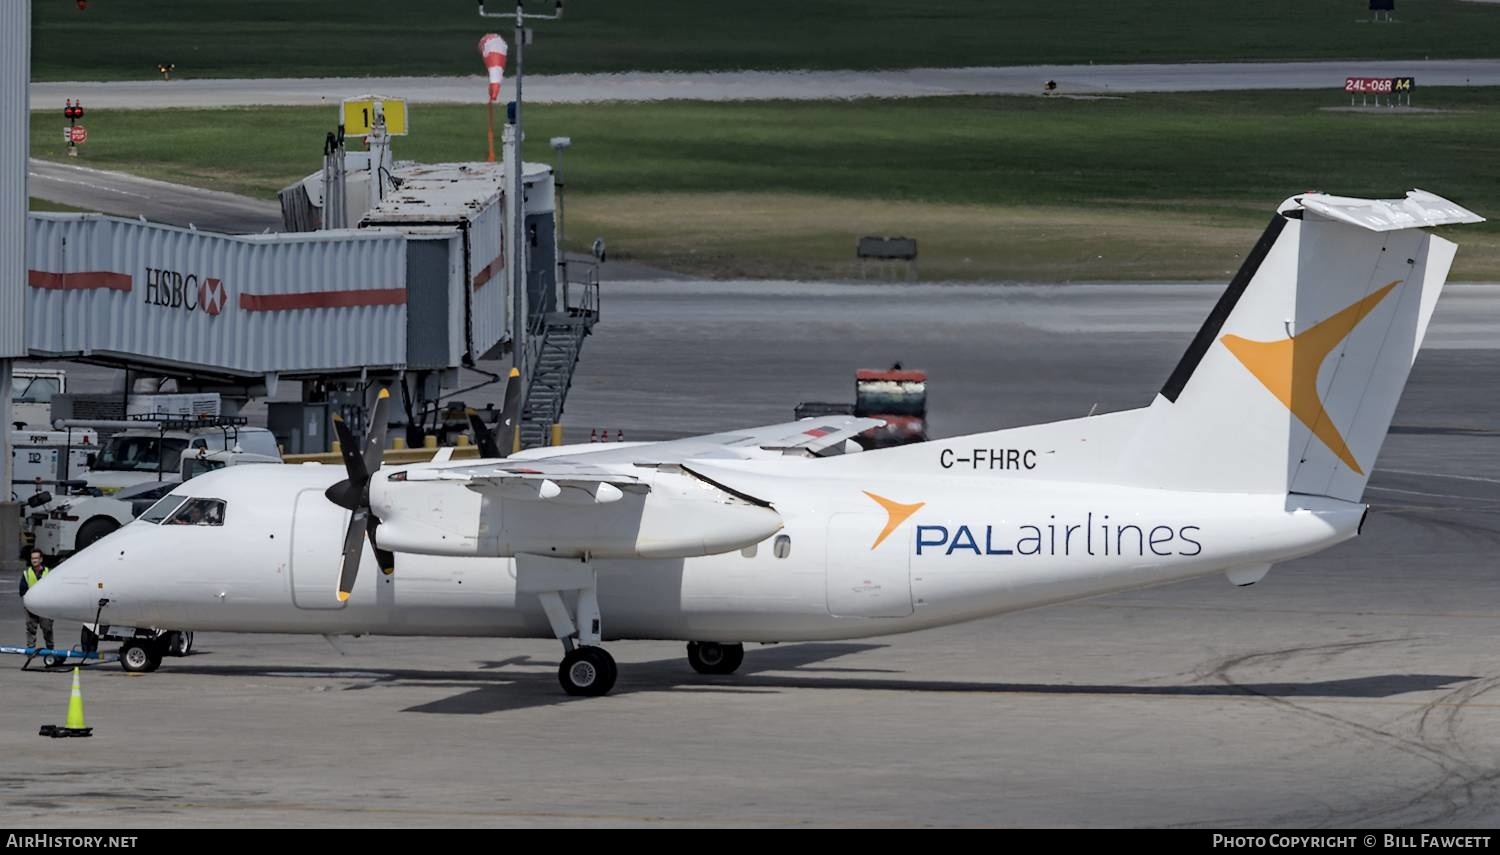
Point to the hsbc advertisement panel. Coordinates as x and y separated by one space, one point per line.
245 304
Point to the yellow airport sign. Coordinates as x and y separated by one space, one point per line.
357 115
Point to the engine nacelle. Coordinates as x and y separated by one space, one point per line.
669 514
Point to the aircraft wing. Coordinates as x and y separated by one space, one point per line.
811 435
602 474
542 479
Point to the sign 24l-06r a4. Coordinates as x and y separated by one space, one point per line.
1378 85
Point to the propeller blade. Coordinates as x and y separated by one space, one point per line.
498 443
375 442
484 437
353 493
353 547
385 558
349 448
510 414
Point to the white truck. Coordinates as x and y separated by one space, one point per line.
32 390
152 449
39 454
42 455
76 521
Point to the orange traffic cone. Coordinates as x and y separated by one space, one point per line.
74 726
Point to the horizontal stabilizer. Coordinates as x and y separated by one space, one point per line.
1419 209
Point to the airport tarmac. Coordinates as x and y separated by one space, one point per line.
670 358
126 195
766 85
1351 688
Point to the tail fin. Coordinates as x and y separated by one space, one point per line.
1291 383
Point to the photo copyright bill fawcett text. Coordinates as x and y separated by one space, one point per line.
1351 841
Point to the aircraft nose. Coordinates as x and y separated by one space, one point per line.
63 594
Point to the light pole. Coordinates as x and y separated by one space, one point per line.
518 190
560 145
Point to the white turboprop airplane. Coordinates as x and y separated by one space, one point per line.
1256 451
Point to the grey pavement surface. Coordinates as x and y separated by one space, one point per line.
670 358
1351 688
764 85
159 201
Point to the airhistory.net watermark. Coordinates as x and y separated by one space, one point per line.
63 841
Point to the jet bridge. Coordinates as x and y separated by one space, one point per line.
416 291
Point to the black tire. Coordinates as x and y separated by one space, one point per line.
711 657
587 672
179 642
54 661
94 529
88 640
138 657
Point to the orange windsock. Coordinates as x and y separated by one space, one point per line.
493 48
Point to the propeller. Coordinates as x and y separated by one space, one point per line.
353 494
489 447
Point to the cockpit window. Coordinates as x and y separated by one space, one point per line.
199 512
163 508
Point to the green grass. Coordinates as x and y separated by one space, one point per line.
996 182
36 204
117 39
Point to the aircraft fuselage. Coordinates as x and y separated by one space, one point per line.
855 558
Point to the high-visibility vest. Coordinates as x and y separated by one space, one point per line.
32 578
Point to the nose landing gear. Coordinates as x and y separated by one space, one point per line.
140 657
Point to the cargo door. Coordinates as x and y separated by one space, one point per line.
865 582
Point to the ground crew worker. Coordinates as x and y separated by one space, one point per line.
35 572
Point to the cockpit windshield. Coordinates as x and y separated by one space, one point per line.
163 508
198 512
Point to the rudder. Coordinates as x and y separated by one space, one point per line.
1291 384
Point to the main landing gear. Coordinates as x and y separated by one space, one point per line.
711 657
587 670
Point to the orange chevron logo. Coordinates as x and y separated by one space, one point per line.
897 514
1289 368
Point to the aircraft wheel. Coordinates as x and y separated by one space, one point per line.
711 657
180 643
139 658
587 672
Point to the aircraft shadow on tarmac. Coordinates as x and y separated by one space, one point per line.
524 682
1443 430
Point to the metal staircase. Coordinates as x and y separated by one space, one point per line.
553 348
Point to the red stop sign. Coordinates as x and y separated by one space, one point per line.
80 133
